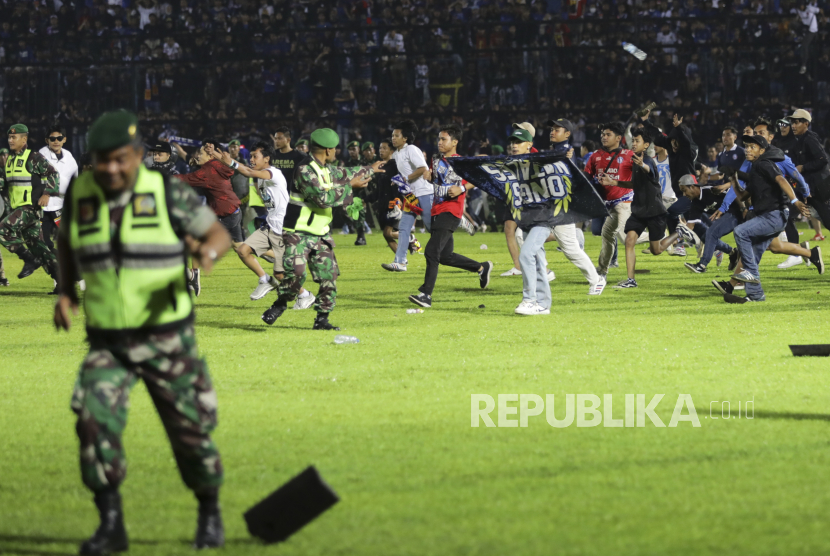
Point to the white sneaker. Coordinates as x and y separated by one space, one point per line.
394 267
597 287
263 288
534 309
551 276
512 272
304 302
520 237
791 261
524 306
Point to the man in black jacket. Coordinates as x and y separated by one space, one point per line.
682 155
772 198
647 209
811 160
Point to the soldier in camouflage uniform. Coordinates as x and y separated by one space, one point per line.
4 205
125 228
356 162
28 176
319 186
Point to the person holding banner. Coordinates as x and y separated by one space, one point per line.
447 211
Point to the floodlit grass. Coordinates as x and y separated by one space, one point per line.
387 421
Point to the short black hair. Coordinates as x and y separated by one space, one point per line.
614 127
731 129
388 142
215 142
640 132
284 130
765 122
590 145
266 150
453 130
55 127
408 130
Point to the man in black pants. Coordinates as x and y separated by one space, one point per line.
811 160
447 210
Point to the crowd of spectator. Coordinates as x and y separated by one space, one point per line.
241 67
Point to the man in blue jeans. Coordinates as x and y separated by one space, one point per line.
771 195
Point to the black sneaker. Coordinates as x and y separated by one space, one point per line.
360 241
735 299
815 258
195 284
723 287
484 274
733 260
697 268
421 299
4 282
625 284
274 312
322 322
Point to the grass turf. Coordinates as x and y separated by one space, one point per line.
387 421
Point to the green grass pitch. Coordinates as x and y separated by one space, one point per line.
387 421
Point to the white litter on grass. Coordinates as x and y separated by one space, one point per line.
484 246
414 311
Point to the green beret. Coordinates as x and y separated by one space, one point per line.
353 144
301 142
4 151
497 149
113 130
18 128
235 142
325 137
366 145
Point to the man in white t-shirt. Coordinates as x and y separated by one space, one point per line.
64 163
412 165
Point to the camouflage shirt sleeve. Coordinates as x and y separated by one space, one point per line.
2 181
50 178
187 213
340 193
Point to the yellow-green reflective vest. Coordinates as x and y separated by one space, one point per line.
136 282
311 219
19 180
254 200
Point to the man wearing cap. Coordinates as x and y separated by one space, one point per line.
302 146
128 231
31 182
812 161
772 199
367 153
318 187
162 153
4 207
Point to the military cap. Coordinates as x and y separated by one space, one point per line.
353 144
301 142
497 149
113 130
366 145
4 151
18 128
325 137
235 142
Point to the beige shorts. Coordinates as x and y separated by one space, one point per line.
264 239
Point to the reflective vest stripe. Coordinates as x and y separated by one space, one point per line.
19 180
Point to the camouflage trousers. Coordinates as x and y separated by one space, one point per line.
21 230
180 387
316 253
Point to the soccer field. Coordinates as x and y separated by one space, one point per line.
388 421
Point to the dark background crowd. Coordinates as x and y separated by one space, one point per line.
241 68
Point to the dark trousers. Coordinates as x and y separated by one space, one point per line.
678 209
49 228
821 202
439 250
790 230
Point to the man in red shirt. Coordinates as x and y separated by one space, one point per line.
447 211
615 162
213 180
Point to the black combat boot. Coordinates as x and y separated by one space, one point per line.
30 264
111 536
361 235
322 322
274 312
210 533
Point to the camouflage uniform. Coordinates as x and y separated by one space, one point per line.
20 230
316 252
361 217
168 362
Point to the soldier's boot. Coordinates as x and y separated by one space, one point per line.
30 264
361 235
322 322
111 535
210 533
274 312
51 269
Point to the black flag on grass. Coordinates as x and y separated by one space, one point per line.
531 179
